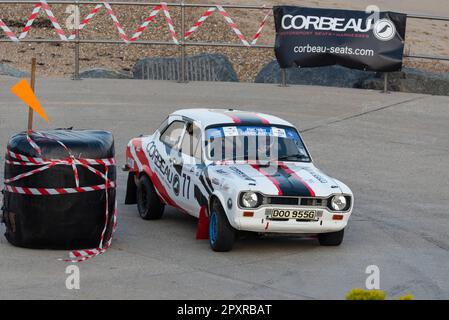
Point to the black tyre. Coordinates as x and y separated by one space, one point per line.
221 233
149 205
331 238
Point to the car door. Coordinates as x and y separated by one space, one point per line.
191 169
165 156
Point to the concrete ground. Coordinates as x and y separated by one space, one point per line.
391 149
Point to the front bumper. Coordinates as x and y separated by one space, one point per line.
260 223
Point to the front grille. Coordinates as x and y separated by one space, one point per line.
295 201
312 202
283 201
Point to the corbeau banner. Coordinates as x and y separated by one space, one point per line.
309 37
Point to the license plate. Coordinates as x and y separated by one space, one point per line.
291 214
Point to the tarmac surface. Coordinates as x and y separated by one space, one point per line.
391 149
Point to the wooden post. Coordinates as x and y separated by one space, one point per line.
33 82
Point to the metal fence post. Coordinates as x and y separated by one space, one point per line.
76 75
385 83
183 77
283 77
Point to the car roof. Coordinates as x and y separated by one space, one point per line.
208 117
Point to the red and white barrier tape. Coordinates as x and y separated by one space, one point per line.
85 21
232 25
53 20
163 6
117 23
76 255
262 25
171 27
8 31
146 22
200 21
30 21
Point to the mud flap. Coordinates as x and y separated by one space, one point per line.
131 189
202 230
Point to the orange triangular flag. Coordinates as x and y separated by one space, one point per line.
25 93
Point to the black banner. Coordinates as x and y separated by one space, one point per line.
310 37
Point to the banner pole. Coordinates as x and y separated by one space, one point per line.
33 81
385 82
283 77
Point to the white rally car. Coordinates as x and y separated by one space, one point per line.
235 171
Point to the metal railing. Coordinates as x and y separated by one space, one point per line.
183 43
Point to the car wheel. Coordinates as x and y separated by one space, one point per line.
221 233
331 238
149 205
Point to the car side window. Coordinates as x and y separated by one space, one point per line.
191 143
173 134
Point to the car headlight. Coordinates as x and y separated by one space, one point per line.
250 199
338 203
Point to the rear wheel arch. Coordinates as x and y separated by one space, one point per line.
149 203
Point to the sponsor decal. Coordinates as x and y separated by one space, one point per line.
314 37
160 162
316 175
230 131
176 184
302 22
222 172
278 132
384 30
241 174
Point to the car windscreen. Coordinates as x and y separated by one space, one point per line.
255 143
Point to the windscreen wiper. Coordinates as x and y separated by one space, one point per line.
295 156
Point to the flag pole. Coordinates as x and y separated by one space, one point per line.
33 82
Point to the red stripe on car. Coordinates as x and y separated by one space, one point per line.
271 178
264 121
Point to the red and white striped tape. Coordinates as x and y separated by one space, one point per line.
30 21
146 22
117 23
85 21
53 20
200 21
35 161
163 6
56 191
76 255
262 25
233 25
8 31
171 26
83 255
